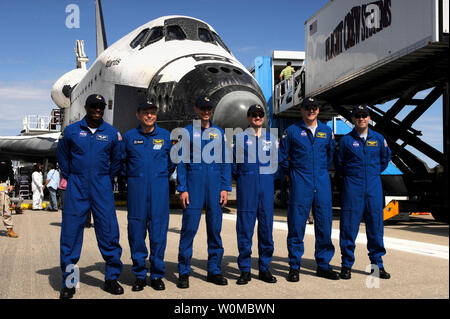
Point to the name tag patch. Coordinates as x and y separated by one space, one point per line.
212 136
321 135
372 143
103 138
135 142
267 145
158 144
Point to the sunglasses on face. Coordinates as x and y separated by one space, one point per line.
311 108
97 106
361 116
205 108
258 114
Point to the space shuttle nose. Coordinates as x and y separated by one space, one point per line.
231 109
232 89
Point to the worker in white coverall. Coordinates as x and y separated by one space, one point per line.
37 187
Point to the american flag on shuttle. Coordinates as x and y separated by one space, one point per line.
313 28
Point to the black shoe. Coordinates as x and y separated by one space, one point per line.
113 287
266 276
346 273
157 284
244 278
139 284
383 274
328 274
183 281
218 279
67 293
294 275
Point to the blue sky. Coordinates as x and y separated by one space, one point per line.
37 47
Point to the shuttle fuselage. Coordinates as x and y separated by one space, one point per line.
169 61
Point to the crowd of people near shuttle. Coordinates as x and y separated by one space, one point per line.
91 153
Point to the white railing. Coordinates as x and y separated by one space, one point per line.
290 92
42 123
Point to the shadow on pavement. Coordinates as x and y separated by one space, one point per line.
421 225
279 268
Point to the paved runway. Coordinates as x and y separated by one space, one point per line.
417 258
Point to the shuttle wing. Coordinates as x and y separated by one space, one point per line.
29 148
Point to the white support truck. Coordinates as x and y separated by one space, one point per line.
353 46
371 52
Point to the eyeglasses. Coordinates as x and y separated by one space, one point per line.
258 114
361 116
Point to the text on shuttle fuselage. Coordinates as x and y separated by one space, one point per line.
360 23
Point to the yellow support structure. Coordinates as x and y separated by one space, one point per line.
391 210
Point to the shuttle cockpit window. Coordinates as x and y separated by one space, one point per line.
174 32
156 34
219 40
204 35
140 37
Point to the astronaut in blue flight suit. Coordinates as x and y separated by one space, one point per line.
306 152
203 180
254 191
89 157
362 156
147 166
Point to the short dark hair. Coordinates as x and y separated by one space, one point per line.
289 63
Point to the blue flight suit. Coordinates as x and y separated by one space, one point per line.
147 166
89 162
203 181
361 163
307 158
254 192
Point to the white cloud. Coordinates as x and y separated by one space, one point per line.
246 49
23 93
18 100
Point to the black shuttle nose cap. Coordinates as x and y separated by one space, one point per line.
231 90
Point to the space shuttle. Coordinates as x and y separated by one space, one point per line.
169 61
